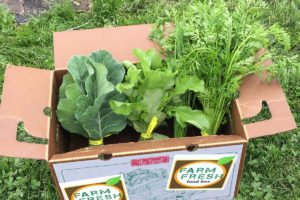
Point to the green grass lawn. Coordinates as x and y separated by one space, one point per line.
272 167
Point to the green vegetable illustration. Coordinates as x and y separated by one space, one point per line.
85 93
113 181
225 160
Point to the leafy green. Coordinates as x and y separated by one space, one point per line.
184 114
152 87
85 93
217 45
157 136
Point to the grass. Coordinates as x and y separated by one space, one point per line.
272 168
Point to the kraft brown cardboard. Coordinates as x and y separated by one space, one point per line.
119 41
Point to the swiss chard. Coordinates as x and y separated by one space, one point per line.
85 93
154 92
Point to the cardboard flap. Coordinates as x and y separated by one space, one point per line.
253 92
119 41
26 93
10 147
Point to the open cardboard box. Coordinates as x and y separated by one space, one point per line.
147 170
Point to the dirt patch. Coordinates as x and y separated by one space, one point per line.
24 8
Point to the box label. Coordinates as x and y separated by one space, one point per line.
151 176
105 188
200 173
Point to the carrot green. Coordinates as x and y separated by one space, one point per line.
218 45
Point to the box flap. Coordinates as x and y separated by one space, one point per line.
26 93
9 146
253 92
119 41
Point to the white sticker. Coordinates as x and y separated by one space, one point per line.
190 172
104 188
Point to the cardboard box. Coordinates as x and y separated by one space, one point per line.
177 168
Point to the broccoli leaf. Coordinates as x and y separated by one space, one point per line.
85 93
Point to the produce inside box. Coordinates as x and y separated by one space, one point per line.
95 102
191 88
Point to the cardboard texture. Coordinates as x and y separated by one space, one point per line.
119 41
28 91
24 100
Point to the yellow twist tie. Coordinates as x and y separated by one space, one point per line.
148 134
96 142
203 133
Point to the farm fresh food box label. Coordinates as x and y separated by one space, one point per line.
105 188
207 173
200 171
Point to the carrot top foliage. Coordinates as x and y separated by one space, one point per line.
218 45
